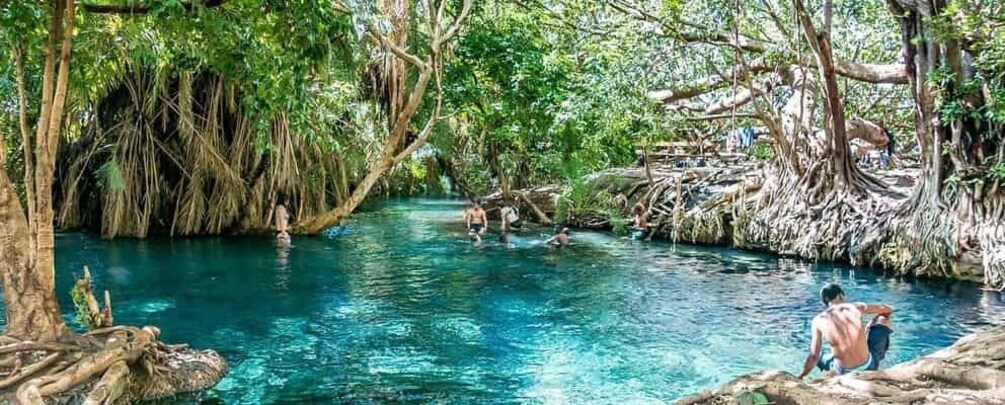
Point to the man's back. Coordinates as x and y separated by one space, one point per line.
841 326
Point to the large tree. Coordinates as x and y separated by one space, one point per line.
27 268
955 56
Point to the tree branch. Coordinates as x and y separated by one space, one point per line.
869 73
29 160
139 8
395 49
708 84
455 27
562 19
712 117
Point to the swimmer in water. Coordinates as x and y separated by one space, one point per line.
561 237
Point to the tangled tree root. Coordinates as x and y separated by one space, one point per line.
105 366
972 371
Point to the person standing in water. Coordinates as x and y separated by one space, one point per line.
509 217
854 347
476 221
640 225
282 221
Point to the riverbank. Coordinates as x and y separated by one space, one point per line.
746 205
971 371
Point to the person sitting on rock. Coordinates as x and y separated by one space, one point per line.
854 347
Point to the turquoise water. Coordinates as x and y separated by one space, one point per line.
404 309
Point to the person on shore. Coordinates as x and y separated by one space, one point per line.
476 221
890 148
854 347
640 224
509 218
561 237
282 221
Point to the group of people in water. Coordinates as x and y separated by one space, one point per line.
855 346
476 222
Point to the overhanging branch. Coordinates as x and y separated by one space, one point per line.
140 8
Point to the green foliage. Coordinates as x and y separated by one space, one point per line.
83 315
997 172
751 397
620 226
763 152
110 176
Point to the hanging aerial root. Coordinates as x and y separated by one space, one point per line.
992 240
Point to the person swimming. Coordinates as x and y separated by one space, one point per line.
476 221
561 237
640 226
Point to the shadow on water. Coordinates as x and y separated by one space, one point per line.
405 309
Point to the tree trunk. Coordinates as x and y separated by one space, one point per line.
963 220
319 223
45 155
28 247
834 121
494 151
29 295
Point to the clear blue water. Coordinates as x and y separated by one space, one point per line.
405 309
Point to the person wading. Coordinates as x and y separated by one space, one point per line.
854 347
476 221
509 217
282 221
640 225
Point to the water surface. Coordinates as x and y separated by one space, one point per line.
405 310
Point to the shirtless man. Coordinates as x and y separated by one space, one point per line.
476 221
560 239
854 347
282 222
640 226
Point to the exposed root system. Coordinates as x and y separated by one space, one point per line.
105 366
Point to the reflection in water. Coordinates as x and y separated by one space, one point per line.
282 264
406 309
